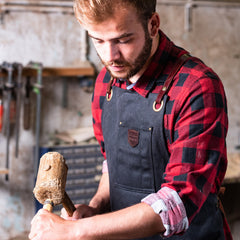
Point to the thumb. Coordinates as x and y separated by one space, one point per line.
65 215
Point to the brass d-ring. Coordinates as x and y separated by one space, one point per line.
109 96
157 109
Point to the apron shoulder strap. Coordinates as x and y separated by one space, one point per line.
179 63
161 101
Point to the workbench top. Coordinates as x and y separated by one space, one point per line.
233 169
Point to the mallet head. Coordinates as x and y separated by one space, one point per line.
51 178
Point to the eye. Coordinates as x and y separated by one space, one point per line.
97 41
124 40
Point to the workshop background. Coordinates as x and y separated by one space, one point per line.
42 38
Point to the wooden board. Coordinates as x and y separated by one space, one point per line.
4 171
85 70
76 135
233 169
61 71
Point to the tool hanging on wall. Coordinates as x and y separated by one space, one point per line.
9 87
1 101
1 109
13 107
26 104
19 68
37 87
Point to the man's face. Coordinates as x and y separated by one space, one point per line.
121 43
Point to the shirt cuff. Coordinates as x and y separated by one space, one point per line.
104 167
167 203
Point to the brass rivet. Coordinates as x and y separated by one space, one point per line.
157 109
109 97
164 89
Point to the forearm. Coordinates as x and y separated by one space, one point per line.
101 200
134 222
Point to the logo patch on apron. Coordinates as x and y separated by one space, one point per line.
133 137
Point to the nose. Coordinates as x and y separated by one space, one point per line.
110 52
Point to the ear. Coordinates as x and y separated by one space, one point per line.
154 24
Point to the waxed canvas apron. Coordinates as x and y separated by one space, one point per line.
137 156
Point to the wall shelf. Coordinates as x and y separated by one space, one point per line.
86 70
4 171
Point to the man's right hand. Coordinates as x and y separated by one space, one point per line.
100 203
82 211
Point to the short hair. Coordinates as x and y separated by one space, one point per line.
96 11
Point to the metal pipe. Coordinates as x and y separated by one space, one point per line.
39 6
84 45
39 3
190 4
45 6
188 17
199 3
39 9
67 6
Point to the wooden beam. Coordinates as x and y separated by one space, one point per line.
58 72
4 171
61 71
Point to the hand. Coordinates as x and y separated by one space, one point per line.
46 225
82 211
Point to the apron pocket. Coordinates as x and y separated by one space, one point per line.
134 159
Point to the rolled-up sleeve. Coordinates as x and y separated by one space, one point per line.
167 203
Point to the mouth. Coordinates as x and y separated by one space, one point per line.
116 68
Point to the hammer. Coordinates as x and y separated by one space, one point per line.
51 180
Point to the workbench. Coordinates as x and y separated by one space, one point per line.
233 169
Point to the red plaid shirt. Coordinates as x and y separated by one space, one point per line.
195 124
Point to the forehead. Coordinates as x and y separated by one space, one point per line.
123 20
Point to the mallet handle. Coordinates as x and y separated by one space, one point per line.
68 205
48 205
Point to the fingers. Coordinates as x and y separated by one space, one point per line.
38 224
65 215
34 236
82 211
35 228
43 224
37 216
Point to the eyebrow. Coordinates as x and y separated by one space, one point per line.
113 39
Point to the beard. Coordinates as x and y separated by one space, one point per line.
135 66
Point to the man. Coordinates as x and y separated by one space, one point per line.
161 120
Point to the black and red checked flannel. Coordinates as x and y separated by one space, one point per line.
195 123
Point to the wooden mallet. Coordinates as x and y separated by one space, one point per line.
51 180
